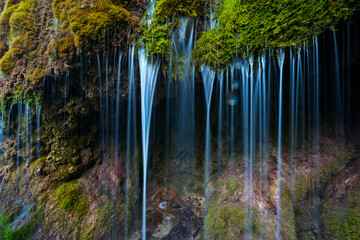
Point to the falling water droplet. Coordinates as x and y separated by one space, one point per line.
232 99
236 84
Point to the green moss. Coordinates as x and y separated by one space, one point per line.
167 14
67 172
156 38
248 27
108 216
231 186
5 17
89 21
71 197
224 222
166 9
22 233
343 222
21 21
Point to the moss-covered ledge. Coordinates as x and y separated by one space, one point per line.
248 27
156 33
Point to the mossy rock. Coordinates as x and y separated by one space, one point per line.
8 231
248 27
90 20
72 198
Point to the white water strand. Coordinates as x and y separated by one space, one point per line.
208 79
281 58
131 125
38 123
148 77
117 110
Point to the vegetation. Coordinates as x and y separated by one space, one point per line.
19 21
167 16
343 221
248 27
71 197
8 231
225 222
88 20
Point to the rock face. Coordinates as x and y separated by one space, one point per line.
341 213
322 203
172 216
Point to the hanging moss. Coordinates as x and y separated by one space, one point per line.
247 27
20 21
167 15
91 19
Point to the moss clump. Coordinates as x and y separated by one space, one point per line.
90 20
247 27
166 9
225 222
71 197
231 186
108 216
19 22
23 232
343 221
167 14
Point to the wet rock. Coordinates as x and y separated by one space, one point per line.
173 217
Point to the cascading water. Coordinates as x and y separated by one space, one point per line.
38 131
131 131
208 78
102 135
220 130
20 105
180 112
338 92
1 126
281 58
148 77
117 110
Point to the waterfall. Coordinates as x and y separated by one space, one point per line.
232 112
102 145
20 104
219 143
293 114
27 132
208 78
338 92
264 123
38 132
117 110
281 58
245 119
131 130
106 124
1 127
317 97
183 42
66 96
148 77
